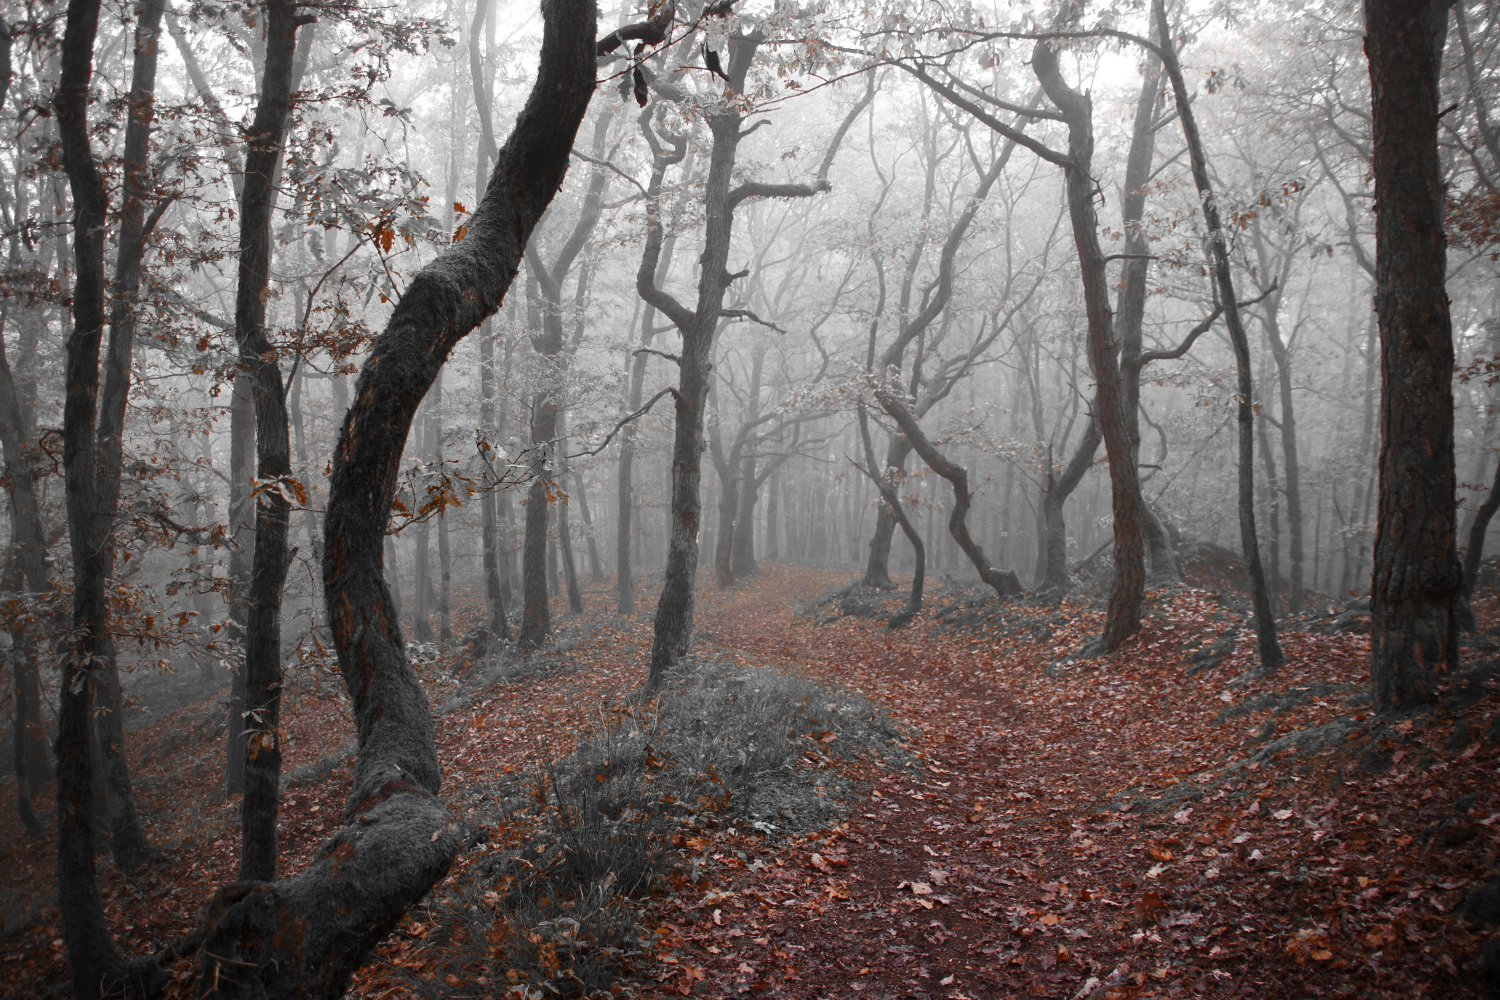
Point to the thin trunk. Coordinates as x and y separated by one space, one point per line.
596 570
1054 577
536 612
1265 620
626 511
264 143
497 626
878 564
1004 583
773 519
1474 553
1273 512
742 554
564 526
673 625
445 556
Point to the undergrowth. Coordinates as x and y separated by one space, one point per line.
550 904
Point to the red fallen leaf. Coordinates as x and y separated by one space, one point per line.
821 864
1149 905
1161 853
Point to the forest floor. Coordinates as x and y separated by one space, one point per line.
1164 822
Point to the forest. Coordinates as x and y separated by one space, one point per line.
750 497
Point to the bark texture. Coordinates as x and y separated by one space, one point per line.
262 667
1417 585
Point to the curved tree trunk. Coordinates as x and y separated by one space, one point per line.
304 936
1003 582
1130 309
673 625
661 247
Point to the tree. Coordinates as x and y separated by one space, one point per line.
1416 591
306 935
1265 619
1115 407
27 572
673 626
91 462
262 667
545 322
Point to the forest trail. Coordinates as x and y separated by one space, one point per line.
1157 824
1070 830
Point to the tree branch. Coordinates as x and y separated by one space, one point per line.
668 391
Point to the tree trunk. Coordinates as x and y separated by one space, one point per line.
33 764
892 499
95 965
564 527
673 624
444 599
1265 618
536 611
497 625
1417 586
264 143
1054 578
305 936
1474 553
742 555
878 564
1004 583
241 554
665 246
1127 595
596 569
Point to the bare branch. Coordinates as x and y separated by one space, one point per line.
668 391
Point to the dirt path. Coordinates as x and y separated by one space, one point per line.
1013 862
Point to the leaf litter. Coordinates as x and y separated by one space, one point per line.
1164 822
